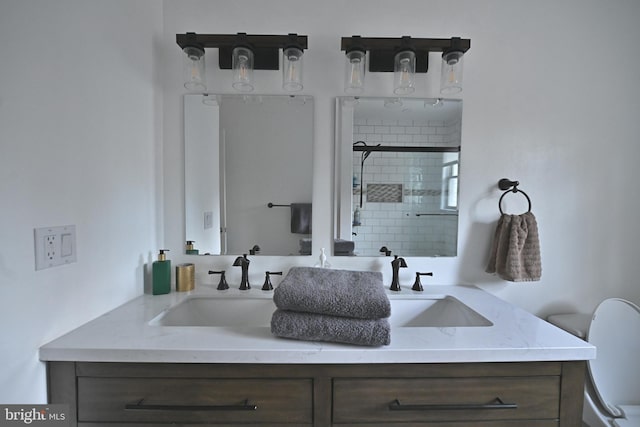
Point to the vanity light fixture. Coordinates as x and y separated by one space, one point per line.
405 56
193 67
355 67
292 69
451 74
242 65
404 72
244 53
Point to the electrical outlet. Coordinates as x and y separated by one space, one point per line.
50 247
55 246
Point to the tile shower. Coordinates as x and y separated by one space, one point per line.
405 201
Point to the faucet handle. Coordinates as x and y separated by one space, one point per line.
417 286
267 279
223 281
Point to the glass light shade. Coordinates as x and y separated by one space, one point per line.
404 72
194 76
451 75
242 65
355 72
292 69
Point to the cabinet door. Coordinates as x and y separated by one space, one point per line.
445 399
207 401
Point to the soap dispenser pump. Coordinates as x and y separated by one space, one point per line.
322 260
161 274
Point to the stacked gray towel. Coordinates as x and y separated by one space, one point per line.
320 304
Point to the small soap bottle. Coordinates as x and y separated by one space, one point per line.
161 274
190 249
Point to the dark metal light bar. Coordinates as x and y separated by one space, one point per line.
264 47
382 50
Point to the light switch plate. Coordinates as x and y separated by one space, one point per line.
55 246
208 220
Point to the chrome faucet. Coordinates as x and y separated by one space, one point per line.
243 262
396 265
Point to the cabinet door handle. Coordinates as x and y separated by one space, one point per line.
496 403
245 406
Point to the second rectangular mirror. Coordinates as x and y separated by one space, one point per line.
243 152
397 164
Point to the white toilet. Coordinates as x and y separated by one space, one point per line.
612 392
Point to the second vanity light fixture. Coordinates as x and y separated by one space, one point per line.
405 56
244 53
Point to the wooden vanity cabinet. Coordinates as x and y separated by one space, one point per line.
532 394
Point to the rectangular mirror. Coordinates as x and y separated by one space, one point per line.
397 165
244 153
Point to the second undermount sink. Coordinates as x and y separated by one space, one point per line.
438 311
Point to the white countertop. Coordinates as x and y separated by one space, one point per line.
124 335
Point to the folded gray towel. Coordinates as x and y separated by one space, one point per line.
356 294
515 253
320 327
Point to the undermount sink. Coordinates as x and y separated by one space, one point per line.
439 311
211 311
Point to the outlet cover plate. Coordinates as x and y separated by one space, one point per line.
54 246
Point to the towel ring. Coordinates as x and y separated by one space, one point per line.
510 186
514 190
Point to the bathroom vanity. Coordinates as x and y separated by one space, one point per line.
145 362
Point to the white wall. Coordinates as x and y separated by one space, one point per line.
79 120
551 99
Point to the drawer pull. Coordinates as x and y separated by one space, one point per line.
496 403
245 406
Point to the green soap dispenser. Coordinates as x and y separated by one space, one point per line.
161 274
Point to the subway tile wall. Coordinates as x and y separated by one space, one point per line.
417 225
